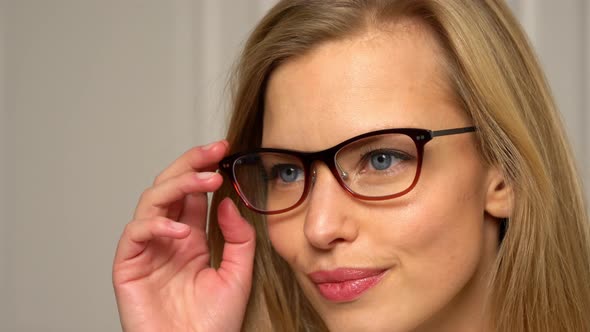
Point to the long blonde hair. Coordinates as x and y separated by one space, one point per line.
540 281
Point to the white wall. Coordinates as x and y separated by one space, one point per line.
97 96
560 38
100 96
560 32
3 172
90 91
221 30
586 109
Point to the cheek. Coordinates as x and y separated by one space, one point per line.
439 237
438 234
286 234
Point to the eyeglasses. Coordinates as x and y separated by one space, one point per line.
378 165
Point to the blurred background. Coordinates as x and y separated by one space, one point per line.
98 96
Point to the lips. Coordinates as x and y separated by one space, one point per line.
346 284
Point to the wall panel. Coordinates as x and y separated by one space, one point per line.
559 33
4 291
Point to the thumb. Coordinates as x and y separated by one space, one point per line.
240 242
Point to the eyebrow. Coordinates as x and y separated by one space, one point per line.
366 131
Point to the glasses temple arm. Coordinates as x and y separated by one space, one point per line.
453 131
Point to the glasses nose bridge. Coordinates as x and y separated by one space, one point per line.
328 158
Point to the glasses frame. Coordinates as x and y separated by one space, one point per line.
327 156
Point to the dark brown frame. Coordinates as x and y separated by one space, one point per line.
327 156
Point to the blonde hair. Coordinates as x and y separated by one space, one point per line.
540 281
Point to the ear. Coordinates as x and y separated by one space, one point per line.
499 196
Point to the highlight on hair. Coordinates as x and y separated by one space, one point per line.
540 281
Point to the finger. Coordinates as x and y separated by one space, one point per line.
240 239
194 212
201 158
139 232
156 200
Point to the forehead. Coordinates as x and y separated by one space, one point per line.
380 79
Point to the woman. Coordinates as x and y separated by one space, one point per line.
413 176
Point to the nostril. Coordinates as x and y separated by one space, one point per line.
336 241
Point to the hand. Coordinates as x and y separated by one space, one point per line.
161 272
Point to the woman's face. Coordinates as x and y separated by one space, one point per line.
416 262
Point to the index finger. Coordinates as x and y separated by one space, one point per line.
200 158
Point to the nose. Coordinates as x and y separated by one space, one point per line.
330 217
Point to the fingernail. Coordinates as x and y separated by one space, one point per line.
178 226
209 146
204 175
233 206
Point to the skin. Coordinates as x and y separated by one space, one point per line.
161 273
439 241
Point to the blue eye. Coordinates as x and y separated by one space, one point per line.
288 173
381 161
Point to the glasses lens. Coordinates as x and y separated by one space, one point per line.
270 181
378 166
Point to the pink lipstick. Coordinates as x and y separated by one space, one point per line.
345 284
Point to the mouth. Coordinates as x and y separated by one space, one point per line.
346 284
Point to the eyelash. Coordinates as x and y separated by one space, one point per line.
369 150
276 167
